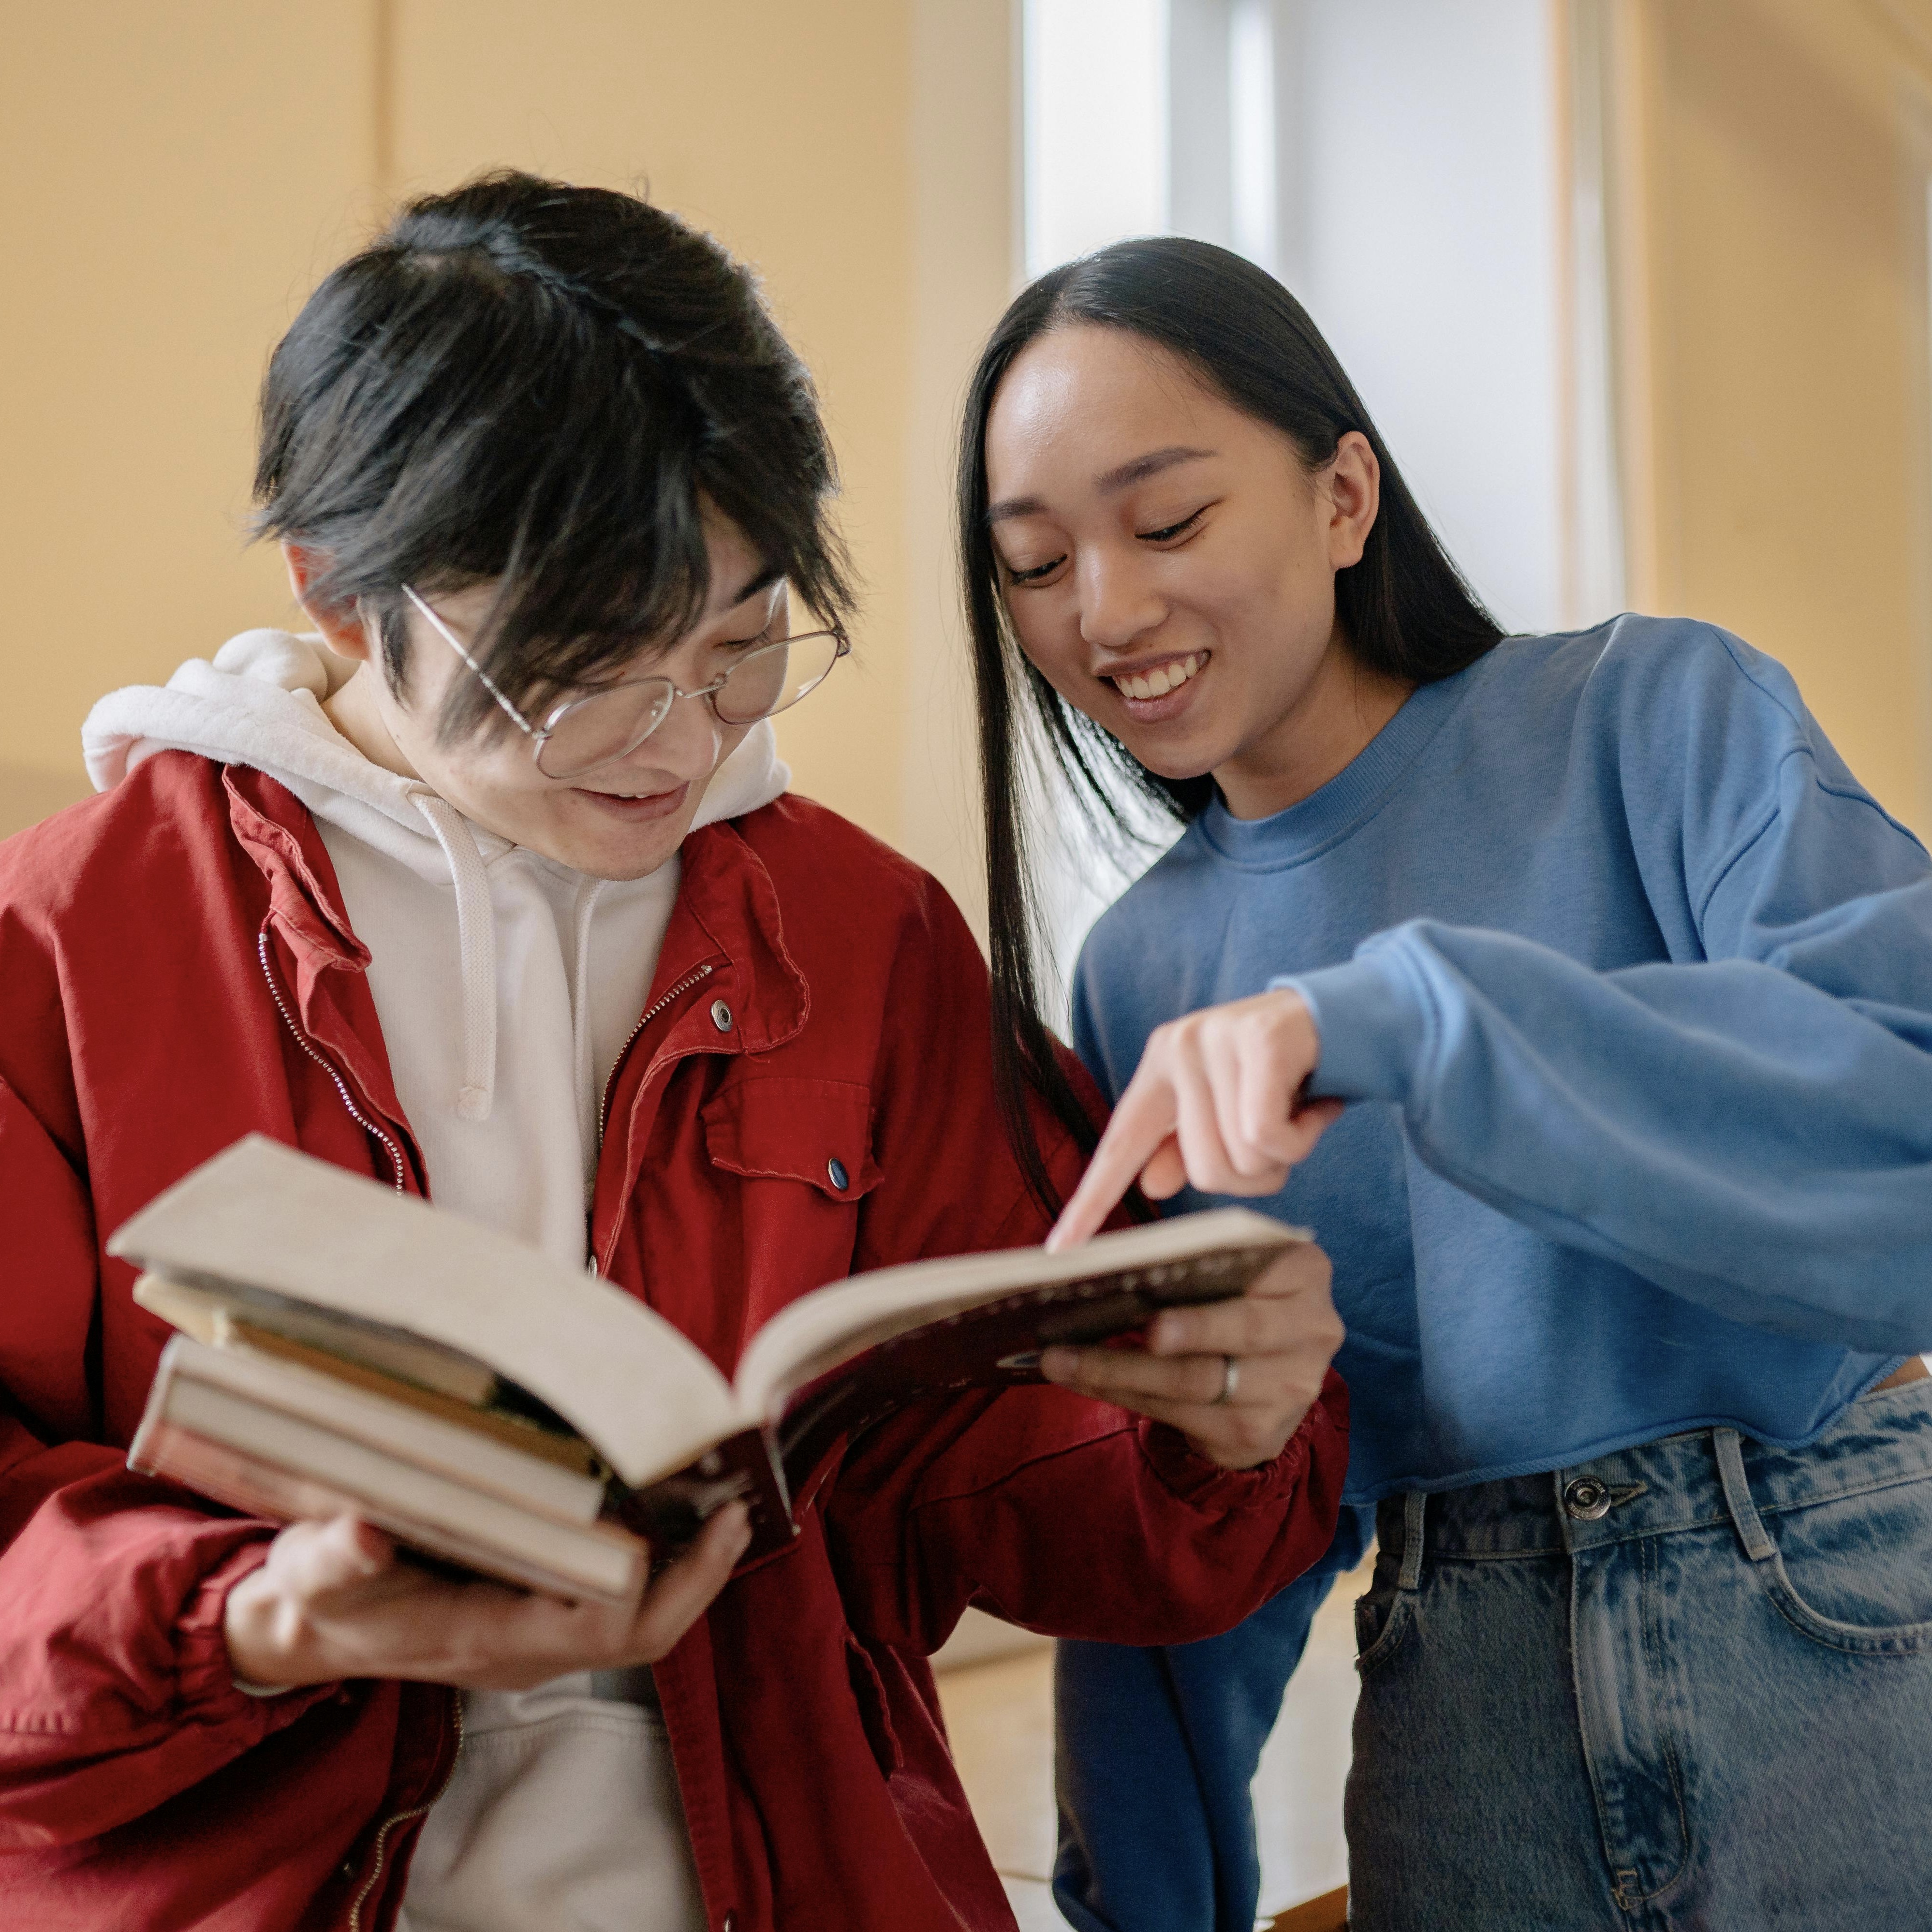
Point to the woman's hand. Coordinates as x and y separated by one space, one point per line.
1215 1104
1235 1377
334 1600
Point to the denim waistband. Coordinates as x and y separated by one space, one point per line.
1676 1483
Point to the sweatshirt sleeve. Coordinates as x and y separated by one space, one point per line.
1752 1129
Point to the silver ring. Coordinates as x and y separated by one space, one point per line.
1231 1376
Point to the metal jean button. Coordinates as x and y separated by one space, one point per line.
1586 1499
721 1016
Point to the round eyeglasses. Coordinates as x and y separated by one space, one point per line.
613 721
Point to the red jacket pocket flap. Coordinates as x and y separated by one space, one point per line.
776 1127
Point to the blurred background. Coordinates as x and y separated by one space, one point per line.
1637 291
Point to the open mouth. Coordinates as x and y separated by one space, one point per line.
1161 678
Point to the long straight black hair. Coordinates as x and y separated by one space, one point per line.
1404 609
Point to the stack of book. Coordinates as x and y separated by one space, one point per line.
345 1349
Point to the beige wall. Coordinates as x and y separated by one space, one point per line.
1771 173
183 174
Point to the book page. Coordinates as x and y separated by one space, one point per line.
262 1215
832 1325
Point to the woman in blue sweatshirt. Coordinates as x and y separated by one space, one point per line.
1578 996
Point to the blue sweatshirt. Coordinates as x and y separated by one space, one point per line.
1632 982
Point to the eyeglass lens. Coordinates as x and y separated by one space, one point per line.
608 725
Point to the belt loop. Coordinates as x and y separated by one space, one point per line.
1413 1506
1751 1528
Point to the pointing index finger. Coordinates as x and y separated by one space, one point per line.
1142 1121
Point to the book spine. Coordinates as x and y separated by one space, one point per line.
745 1467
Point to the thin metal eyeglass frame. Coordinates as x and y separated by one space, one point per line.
541 736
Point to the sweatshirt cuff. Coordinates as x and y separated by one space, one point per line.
1370 1018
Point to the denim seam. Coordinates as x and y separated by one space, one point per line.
1864 1489
1884 1641
1717 1522
1442 1555
1908 1650
1653 1652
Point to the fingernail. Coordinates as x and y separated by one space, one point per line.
1169 1335
1057 1365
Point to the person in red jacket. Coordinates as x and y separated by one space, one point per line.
494 888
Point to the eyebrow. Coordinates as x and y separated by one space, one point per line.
763 580
1108 482
1144 466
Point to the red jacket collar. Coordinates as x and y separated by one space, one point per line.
275 828
727 917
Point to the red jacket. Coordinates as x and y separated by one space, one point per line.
176 969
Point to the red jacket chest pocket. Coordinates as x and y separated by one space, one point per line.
798 1153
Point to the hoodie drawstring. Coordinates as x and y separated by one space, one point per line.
582 1070
476 941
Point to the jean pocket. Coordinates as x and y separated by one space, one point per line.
1855 1573
1382 1618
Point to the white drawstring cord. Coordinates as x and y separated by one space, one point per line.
588 893
476 942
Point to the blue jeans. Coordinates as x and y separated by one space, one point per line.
1686 1686
1155 1751
1699 1695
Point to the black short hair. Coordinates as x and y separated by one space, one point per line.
540 384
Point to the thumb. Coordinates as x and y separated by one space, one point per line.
1309 1123
321 1558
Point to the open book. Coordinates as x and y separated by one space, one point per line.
344 1347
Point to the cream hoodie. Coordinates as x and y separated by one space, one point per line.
507 986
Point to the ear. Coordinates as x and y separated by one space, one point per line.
1353 485
344 630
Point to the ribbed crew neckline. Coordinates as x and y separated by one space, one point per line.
1352 796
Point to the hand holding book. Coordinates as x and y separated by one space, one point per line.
352 1358
334 1599
1234 1377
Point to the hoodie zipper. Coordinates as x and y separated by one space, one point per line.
388 1824
316 1054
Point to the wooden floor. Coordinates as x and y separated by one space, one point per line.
999 1713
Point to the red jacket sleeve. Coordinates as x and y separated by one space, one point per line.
1046 1507
114 1690
1074 1518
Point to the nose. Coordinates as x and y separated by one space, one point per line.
1118 601
686 747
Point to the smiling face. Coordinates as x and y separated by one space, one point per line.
1168 564
622 820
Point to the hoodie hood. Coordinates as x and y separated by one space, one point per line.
259 703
